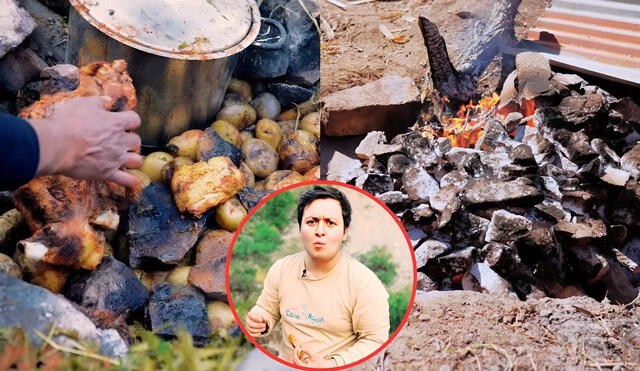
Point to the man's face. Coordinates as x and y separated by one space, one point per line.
322 229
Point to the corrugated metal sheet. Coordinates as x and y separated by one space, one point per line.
600 37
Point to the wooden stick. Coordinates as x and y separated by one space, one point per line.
337 3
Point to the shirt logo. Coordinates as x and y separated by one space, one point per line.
304 315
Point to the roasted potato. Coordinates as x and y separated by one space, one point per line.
240 87
144 178
270 132
153 163
298 151
266 106
245 136
313 174
282 178
227 132
179 275
220 316
239 115
311 123
260 157
185 144
301 110
247 173
230 214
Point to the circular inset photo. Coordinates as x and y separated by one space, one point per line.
321 275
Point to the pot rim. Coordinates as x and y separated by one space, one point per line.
185 54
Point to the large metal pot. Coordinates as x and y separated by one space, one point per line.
181 54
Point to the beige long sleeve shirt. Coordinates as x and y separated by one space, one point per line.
342 315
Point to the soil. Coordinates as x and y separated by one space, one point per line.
459 330
359 53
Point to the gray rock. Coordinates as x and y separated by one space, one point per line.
430 249
395 200
534 76
505 226
112 286
522 155
419 184
19 67
457 178
375 183
486 280
492 191
15 25
390 104
630 161
615 176
449 265
582 110
397 164
343 168
32 308
49 39
416 235
419 149
589 228
373 145
172 307
495 138
447 201
619 289
425 283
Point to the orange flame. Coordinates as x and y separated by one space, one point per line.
465 127
528 108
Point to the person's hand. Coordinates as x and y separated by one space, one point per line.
257 320
302 357
83 140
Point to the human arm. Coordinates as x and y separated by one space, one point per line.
19 151
370 321
266 313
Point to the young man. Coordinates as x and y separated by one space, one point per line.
333 309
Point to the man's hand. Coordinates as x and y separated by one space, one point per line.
302 357
83 140
257 320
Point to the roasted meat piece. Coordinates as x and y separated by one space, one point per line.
203 185
63 213
96 79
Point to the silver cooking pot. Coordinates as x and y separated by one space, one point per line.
180 54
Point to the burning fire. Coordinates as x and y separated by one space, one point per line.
465 127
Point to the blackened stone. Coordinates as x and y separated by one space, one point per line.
495 138
505 226
430 249
395 200
537 245
450 265
420 214
574 146
249 197
210 278
175 307
492 191
467 159
418 148
581 110
49 39
505 261
212 145
397 164
19 67
512 121
32 308
261 63
59 6
303 45
619 288
470 229
522 155
419 184
375 183
607 154
289 94
159 235
589 262
630 161
112 286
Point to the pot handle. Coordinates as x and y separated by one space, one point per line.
263 44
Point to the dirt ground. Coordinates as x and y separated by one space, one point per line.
358 52
460 330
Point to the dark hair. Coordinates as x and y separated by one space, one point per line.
320 192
